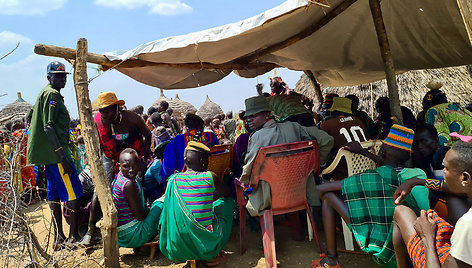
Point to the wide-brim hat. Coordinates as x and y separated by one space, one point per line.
328 100
341 104
106 99
400 137
256 105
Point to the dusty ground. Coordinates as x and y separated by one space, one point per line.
290 253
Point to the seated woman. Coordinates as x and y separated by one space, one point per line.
446 117
197 213
137 224
429 241
364 201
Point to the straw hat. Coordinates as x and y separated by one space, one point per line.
341 104
106 99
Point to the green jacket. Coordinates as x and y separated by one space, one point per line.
49 109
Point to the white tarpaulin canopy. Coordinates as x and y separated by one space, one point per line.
344 51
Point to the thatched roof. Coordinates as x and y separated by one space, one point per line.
209 109
162 97
18 108
180 107
457 84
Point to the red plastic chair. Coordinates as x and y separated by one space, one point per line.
286 168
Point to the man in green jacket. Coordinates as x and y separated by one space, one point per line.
48 144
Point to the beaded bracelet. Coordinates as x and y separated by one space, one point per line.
434 184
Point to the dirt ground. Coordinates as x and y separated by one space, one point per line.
290 253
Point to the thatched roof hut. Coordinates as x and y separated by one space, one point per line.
16 109
162 97
457 83
180 107
209 109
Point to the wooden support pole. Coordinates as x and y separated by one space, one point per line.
92 146
387 58
316 85
69 53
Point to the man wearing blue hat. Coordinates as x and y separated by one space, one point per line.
48 145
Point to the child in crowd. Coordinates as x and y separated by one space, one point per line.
429 240
137 224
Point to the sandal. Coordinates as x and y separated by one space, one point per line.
217 260
317 263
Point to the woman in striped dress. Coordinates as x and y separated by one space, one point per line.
197 216
137 224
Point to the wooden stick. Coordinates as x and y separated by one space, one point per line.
92 146
69 53
316 85
299 36
387 58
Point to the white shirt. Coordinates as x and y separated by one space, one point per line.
461 239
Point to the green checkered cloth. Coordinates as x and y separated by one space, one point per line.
368 198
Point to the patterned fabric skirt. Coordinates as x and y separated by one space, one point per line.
443 243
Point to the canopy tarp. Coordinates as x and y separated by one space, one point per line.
342 52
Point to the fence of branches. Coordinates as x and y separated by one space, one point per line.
27 229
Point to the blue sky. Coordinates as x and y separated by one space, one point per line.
110 25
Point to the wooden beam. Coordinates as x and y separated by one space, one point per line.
248 61
92 146
387 58
299 36
316 85
69 53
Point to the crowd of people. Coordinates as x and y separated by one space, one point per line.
413 209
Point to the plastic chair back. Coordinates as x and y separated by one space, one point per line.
286 168
356 163
221 159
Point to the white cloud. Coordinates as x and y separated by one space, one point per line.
29 7
161 7
9 39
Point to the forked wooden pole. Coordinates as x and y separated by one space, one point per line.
316 85
387 58
92 146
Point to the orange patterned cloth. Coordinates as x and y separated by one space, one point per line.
28 176
443 243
